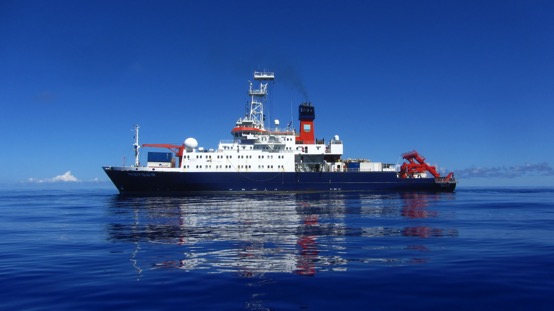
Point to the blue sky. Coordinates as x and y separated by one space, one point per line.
469 84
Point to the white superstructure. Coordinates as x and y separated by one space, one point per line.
257 149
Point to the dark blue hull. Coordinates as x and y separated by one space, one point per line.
149 182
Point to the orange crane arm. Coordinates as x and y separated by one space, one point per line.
412 167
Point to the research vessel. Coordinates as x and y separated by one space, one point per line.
270 159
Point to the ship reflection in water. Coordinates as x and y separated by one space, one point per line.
256 234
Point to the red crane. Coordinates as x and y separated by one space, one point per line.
416 165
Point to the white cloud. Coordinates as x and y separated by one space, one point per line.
66 177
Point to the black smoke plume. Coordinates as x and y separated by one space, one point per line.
288 75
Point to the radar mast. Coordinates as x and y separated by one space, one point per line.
258 96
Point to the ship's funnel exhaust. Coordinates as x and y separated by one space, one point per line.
306 115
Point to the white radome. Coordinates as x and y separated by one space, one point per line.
190 144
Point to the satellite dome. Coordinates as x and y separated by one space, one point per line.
190 144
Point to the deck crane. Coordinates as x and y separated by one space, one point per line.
416 165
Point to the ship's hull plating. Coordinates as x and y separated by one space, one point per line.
129 181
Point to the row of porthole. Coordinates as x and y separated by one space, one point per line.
271 157
209 166
231 148
199 157
240 157
229 166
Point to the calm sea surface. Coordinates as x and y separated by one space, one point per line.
476 249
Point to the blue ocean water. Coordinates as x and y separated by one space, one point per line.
476 249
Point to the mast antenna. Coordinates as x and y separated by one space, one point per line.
258 96
136 145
